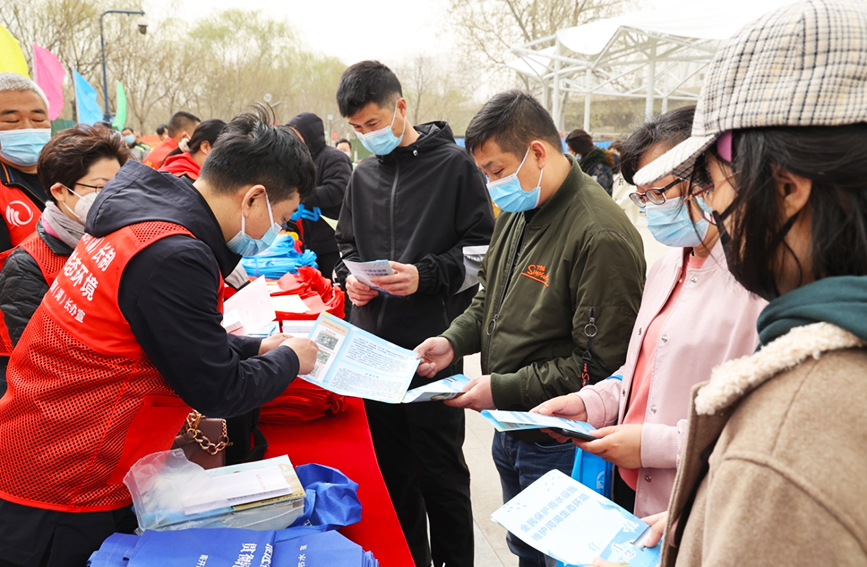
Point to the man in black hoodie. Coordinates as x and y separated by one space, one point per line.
333 169
128 338
417 203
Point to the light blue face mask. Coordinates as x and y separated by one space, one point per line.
22 147
508 194
129 139
669 223
245 245
383 141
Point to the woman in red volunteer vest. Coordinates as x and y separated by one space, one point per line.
74 166
129 337
187 159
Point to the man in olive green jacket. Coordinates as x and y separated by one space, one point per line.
562 282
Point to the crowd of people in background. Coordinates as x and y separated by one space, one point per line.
725 382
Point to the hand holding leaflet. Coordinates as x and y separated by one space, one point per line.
564 519
363 271
353 362
445 389
518 420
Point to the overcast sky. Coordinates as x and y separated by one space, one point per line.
354 30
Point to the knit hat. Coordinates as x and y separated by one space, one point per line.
801 65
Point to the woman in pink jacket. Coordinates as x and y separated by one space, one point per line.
693 317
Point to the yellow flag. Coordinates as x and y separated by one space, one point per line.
11 57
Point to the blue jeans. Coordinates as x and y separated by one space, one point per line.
519 464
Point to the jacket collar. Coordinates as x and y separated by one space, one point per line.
734 379
573 183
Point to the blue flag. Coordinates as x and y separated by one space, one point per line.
86 103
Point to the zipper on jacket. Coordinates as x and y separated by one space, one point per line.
391 235
492 324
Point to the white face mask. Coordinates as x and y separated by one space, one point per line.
82 207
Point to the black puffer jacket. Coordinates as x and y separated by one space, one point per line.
22 287
333 170
420 204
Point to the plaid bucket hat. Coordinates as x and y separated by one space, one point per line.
801 65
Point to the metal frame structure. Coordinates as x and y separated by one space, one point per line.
634 63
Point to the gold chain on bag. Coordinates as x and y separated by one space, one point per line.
206 444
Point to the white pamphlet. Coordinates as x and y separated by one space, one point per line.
353 362
520 420
445 389
253 308
565 520
289 304
236 489
363 271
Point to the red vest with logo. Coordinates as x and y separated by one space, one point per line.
84 401
19 213
50 265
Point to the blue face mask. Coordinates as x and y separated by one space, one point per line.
669 223
245 245
129 139
22 147
508 194
383 141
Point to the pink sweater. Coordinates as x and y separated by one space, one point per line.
711 321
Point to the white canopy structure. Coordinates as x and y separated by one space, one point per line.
653 54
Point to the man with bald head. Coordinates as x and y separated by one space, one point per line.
24 131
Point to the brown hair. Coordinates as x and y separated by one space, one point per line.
67 157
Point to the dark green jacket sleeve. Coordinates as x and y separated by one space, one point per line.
608 279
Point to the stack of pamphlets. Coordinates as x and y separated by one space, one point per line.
520 420
445 389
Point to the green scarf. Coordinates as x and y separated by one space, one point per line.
841 301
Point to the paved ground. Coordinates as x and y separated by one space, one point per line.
491 550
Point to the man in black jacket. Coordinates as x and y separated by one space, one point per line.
417 203
333 169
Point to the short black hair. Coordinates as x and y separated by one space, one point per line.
366 82
343 141
252 150
670 129
161 129
207 131
512 119
182 120
68 156
127 128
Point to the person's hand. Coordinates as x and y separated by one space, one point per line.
306 351
270 343
619 444
436 353
477 395
568 406
403 282
657 524
359 294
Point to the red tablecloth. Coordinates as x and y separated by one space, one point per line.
343 441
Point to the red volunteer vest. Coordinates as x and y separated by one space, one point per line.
19 213
84 401
50 265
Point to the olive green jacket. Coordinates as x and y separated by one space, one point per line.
581 265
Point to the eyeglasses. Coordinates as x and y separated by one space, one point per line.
96 188
653 195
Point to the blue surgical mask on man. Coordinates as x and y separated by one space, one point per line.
383 141
129 139
22 147
508 194
245 245
670 224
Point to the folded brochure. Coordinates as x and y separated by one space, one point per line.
353 362
521 420
445 389
565 520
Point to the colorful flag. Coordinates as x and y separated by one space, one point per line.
120 108
86 103
11 57
49 74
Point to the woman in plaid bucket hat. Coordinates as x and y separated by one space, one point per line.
774 463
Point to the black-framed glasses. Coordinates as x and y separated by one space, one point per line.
655 195
96 188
